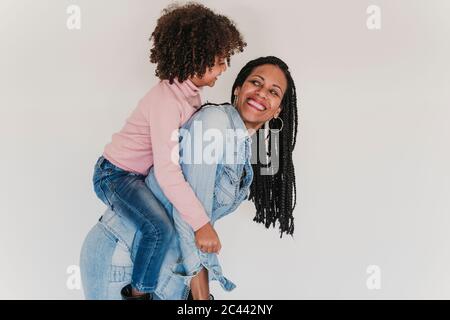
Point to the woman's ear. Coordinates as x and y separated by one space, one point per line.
236 91
277 113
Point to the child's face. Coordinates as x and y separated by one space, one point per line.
211 75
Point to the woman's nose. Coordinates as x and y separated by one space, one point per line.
262 93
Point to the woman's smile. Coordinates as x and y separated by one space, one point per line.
260 106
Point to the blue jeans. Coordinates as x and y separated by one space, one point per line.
106 258
109 250
127 194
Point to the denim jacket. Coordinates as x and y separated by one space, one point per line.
221 180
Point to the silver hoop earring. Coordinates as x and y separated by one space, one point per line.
277 130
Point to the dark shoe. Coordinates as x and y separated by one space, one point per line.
211 297
126 294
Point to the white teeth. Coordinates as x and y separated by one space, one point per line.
256 105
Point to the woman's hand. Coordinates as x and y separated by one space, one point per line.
207 240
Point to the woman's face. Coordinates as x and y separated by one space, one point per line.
259 98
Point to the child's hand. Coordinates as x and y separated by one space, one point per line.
207 240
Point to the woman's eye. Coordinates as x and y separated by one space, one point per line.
275 93
256 83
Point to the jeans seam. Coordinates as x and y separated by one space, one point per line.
109 202
110 231
139 285
158 242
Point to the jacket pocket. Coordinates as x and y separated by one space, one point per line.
227 186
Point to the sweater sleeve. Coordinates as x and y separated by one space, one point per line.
164 133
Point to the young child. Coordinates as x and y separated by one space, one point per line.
192 46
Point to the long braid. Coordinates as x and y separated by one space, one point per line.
275 194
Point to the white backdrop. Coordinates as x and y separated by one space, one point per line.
372 160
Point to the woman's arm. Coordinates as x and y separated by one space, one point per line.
210 126
202 149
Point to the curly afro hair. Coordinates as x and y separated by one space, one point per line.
187 39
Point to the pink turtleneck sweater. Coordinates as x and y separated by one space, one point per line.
145 141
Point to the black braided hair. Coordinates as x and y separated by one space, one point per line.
274 195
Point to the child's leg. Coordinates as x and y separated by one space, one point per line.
200 285
137 203
129 196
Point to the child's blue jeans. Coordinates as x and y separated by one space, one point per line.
127 194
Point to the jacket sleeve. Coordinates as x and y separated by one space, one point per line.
203 148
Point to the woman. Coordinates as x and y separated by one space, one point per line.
263 91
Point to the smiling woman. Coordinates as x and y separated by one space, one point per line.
265 91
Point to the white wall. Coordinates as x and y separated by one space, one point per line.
371 162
